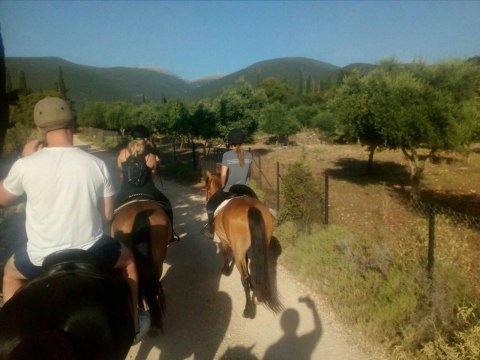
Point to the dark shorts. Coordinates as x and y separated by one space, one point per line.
107 250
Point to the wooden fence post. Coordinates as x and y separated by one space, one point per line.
278 186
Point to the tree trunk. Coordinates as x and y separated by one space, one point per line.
371 152
417 167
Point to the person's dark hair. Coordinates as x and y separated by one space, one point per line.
236 137
140 132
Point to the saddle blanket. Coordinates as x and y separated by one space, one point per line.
220 207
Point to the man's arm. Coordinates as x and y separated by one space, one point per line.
5 196
106 208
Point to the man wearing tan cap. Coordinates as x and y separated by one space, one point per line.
69 199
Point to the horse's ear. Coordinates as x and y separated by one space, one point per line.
208 174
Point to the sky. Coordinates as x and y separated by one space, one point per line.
194 39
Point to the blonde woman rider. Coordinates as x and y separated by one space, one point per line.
144 185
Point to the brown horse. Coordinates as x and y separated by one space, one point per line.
144 227
244 227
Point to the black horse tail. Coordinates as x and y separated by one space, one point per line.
260 274
150 291
52 344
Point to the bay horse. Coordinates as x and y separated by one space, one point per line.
72 311
244 225
143 226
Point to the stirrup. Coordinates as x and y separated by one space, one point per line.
175 237
206 231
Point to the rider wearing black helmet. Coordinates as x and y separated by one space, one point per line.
138 166
234 174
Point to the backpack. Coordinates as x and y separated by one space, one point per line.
137 170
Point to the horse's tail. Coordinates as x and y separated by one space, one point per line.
159 237
260 274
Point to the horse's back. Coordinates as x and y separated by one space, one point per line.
232 223
85 315
237 208
126 214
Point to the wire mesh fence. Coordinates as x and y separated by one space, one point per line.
412 226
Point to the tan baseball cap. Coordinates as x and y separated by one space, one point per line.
52 113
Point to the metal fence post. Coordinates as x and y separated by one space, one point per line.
326 200
278 186
431 241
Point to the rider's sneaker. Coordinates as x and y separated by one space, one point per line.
143 325
206 231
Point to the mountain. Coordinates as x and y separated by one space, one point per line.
287 69
89 83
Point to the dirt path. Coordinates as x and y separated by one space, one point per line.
204 309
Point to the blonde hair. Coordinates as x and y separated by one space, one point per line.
136 147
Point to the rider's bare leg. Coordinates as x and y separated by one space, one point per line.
13 280
127 263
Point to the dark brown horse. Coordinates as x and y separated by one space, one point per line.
144 227
73 311
244 227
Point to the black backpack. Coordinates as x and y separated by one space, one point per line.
137 170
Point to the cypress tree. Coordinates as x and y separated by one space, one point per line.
22 83
300 82
8 83
60 84
308 86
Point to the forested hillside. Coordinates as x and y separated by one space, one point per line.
88 83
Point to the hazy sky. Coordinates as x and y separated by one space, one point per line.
196 39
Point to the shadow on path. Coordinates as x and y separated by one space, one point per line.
290 345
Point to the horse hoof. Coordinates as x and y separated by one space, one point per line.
248 314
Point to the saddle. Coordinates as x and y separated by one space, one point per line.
71 260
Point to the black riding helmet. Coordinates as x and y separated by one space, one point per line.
236 137
140 132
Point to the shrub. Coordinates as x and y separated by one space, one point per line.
302 197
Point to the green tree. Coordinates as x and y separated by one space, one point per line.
60 84
407 107
118 115
22 83
352 107
8 82
204 123
238 107
304 114
92 114
276 120
275 89
308 85
301 84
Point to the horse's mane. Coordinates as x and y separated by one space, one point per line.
213 179
212 183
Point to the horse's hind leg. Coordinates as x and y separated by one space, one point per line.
227 259
250 310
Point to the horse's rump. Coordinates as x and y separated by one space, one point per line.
68 315
245 225
144 227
